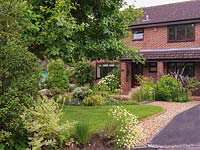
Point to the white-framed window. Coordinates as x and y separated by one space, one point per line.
103 69
138 34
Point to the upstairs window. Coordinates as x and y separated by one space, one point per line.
181 33
138 34
103 69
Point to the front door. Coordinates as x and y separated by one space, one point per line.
137 69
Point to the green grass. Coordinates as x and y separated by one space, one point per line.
97 116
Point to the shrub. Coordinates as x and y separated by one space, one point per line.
117 73
112 126
2 146
19 78
80 93
110 83
127 132
43 124
190 84
82 132
57 77
83 73
147 88
65 98
111 101
97 90
94 100
168 88
183 97
129 102
135 94
55 92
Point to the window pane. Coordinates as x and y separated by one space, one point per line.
99 71
105 65
104 71
190 32
180 33
171 67
153 67
172 33
189 70
104 68
138 35
111 65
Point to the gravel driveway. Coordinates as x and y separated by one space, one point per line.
152 125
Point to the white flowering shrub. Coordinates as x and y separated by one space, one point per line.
110 83
44 126
128 132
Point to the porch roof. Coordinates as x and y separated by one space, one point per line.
192 54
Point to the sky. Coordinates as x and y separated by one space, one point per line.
146 3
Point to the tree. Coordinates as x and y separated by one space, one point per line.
105 25
19 76
11 11
51 29
77 29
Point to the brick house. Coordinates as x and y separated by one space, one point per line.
168 36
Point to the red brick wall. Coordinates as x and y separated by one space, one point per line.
126 77
197 70
156 37
149 74
156 75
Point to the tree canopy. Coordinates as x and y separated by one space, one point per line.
19 73
76 29
105 25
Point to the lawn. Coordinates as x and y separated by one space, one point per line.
97 116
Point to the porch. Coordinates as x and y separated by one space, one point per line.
158 63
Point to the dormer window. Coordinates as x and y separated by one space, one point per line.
181 33
138 34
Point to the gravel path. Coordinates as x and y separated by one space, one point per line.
151 126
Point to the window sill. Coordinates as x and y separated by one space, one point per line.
137 39
180 41
152 71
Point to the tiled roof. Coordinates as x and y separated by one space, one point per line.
170 12
172 54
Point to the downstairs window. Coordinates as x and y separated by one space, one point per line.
186 68
103 69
